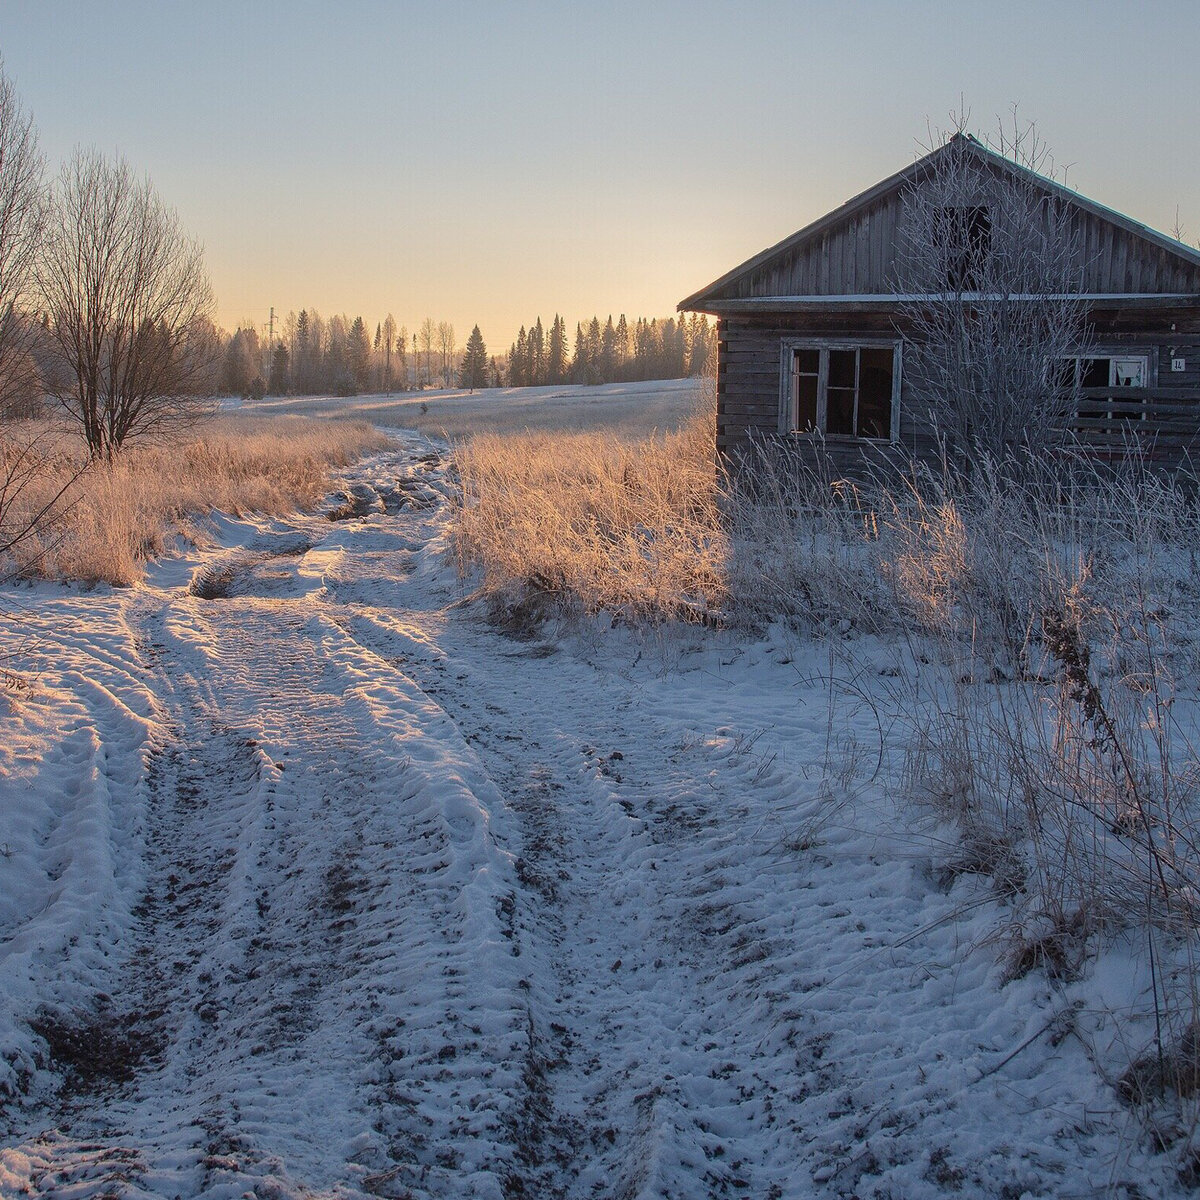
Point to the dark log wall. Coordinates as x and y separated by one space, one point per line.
749 381
1164 420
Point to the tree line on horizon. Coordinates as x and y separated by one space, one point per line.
107 316
339 355
649 349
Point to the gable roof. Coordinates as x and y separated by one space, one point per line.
732 285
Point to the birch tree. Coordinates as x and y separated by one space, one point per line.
445 341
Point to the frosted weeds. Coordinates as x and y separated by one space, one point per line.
315 885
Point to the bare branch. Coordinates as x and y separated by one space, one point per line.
994 264
22 220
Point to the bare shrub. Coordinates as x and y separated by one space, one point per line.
129 307
116 516
993 263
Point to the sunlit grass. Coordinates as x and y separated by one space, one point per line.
112 519
587 522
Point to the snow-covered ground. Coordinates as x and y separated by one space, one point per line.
314 883
630 409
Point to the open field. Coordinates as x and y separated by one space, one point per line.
631 409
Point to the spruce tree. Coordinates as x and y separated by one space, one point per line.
608 352
302 353
579 363
593 351
278 385
556 357
518 361
537 354
358 355
474 370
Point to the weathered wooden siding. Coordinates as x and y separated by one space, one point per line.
858 257
1163 420
1118 261
749 381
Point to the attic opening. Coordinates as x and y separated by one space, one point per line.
963 237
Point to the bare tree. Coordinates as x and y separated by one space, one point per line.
389 340
129 306
445 341
428 335
992 266
22 219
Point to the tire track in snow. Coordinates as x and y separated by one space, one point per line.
643 898
323 937
656 963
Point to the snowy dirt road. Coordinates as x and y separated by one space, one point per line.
315 884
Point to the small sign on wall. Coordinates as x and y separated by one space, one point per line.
1178 364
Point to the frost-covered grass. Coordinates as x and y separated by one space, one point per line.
1043 619
1045 616
378 899
111 519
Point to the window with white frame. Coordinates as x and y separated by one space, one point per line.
843 390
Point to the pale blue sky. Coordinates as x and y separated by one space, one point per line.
489 161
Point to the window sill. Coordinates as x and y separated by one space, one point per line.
843 439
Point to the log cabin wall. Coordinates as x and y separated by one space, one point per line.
1162 420
750 379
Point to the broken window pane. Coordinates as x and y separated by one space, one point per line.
808 361
964 237
875 393
843 366
1129 372
806 402
843 393
839 412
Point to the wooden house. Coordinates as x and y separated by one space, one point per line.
813 333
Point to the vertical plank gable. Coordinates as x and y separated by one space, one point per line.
855 254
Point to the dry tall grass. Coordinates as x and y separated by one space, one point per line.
112 519
585 522
1045 614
